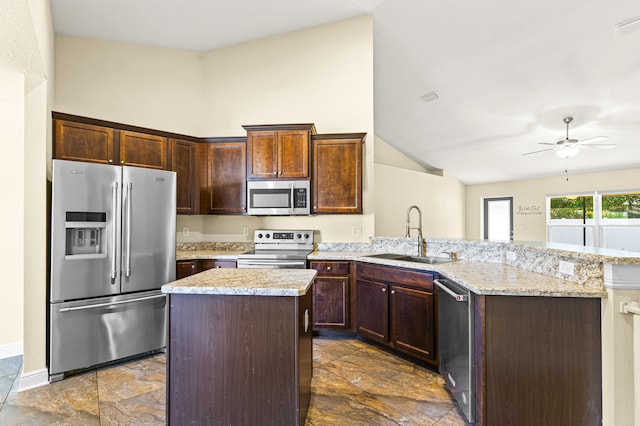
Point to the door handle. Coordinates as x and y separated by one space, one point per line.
456 296
114 231
102 305
129 198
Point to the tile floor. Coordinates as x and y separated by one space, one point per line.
353 384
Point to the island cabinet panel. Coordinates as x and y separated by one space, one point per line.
337 173
238 360
143 150
83 142
183 162
226 186
332 295
396 307
538 361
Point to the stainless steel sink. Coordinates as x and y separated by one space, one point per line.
406 258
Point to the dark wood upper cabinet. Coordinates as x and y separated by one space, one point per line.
183 162
143 150
83 142
226 187
278 151
337 173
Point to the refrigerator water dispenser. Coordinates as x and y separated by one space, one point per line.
85 235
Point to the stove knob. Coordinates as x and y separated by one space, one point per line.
267 236
306 236
299 236
259 235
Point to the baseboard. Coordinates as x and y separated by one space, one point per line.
34 379
11 349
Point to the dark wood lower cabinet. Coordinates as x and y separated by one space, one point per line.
184 268
238 360
538 361
332 295
396 307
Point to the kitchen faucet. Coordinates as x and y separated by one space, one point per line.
422 244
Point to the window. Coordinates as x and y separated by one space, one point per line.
607 219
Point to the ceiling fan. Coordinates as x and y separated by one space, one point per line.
567 148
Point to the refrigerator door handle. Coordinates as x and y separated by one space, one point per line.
114 232
128 237
102 305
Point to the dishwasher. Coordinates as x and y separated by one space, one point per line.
455 343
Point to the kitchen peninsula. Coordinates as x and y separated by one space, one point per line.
239 347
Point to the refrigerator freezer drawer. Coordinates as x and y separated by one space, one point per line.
88 333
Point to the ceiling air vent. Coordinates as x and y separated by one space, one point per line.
429 97
628 27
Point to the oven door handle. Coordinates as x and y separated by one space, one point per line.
457 297
268 262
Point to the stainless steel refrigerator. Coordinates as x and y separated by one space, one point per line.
112 248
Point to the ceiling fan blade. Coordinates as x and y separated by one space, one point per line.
591 140
599 145
535 152
546 143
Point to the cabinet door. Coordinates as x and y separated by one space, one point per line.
205 264
412 322
83 142
337 176
184 268
372 307
226 177
262 147
183 162
330 303
293 154
143 150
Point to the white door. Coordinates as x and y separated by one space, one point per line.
498 219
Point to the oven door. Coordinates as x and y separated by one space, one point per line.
274 198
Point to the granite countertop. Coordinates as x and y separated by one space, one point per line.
484 278
245 282
208 254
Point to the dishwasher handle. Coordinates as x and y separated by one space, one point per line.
456 296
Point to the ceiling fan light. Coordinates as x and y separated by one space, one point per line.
567 152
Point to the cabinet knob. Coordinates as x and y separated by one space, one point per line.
193 266
110 161
329 268
122 162
393 292
384 289
218 266
275 172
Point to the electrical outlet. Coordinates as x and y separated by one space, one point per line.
566 268
356 230
511 256
245 231
185 231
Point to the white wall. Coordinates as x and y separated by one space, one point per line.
529 199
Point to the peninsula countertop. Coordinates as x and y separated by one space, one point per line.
245 282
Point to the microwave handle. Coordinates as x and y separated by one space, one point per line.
293 206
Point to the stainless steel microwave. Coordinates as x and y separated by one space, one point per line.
278 197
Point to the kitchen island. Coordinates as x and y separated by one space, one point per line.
240 347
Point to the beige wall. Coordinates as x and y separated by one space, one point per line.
529 199
12 86
138 85
26 59
399 186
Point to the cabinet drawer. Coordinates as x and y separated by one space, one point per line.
204 264
331 267
423 280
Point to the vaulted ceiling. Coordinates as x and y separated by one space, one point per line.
505 73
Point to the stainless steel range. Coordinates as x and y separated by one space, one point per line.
278 249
